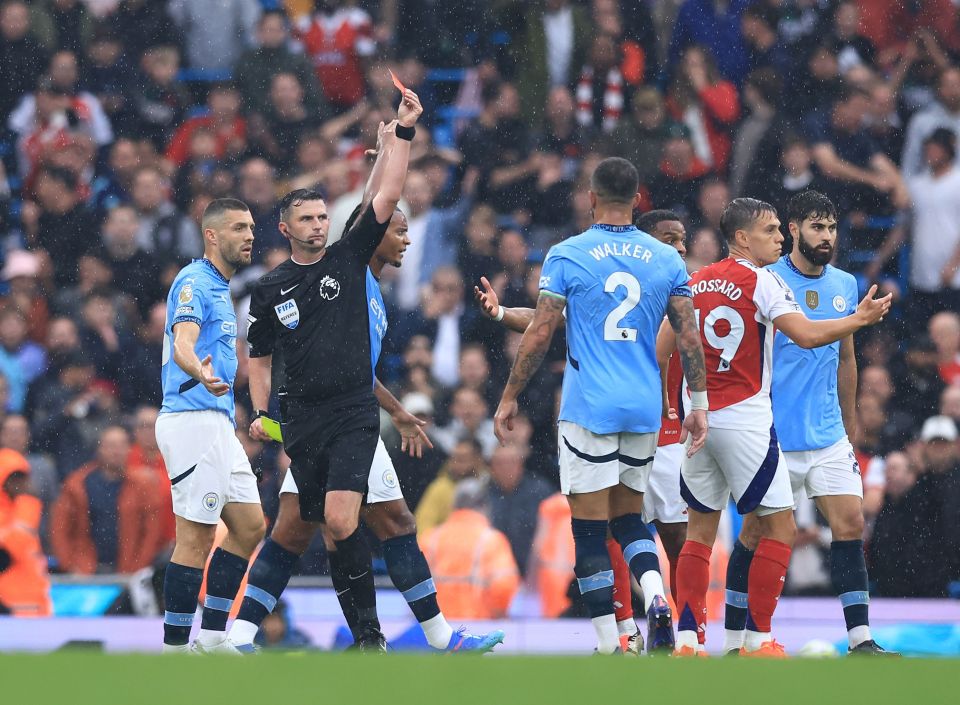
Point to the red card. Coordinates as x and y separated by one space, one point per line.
396 81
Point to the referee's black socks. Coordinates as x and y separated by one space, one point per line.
356 562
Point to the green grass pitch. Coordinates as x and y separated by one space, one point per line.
77 678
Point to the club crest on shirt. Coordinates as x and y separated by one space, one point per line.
813 299
288 313
839 303
329 288
186 293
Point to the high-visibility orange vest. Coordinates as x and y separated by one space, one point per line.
473 566
25 584
553 556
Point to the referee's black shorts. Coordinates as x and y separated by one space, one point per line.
331 446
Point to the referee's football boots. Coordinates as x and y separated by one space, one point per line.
870 648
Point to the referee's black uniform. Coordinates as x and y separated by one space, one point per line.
317 316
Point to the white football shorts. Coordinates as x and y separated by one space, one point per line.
825 472
591 461
206 463
382 484
745 464
662 501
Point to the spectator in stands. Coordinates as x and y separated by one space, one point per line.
339 40
795 172
223 118
758 25
64 229
22 58
107 519
135 272
21 272
470 418
159 100
755 154
21 360
276 132
514 496
477 255
681 173
853 48
918 381
471 562
895 548
258 189
107 75
944 112
217 51
601 91
142 24
717 28
884 124
15 435
465 461
819 83
641 134
163 229
271 57
561 131
140 365
24 585
704 248
113 186
550 51
944 330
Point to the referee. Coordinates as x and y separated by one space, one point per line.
314 311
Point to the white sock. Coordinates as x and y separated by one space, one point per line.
209 637
733 639
858 635
437 631
608 638
627 627
687 637
243 632
176 648
651 583
755 640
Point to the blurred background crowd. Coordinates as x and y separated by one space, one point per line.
120 120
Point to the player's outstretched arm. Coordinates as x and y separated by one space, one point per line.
386 138
814 334
185 335
533 347
684 323
260 370
516 319
412 436
666 346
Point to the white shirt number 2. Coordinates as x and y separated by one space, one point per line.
611 327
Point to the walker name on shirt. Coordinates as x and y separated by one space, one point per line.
720 286
621 249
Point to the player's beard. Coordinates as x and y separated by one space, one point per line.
815 255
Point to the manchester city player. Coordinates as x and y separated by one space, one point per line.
814 410
210 475
616 283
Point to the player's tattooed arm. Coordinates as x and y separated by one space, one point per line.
533 348
684 324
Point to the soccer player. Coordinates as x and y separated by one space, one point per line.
210 476
738 303
386 511
662 503
616 283
814 395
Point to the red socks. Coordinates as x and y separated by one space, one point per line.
765 582
622 593
693 581
673 581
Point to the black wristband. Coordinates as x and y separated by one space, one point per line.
405 133
259 414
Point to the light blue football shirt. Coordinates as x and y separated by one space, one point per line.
806 406
616 281
200 294
378 320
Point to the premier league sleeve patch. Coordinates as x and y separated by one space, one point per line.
288 313
186 294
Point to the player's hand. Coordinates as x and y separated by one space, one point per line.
503 419
412 436
256 431
871 310
410 109
487 299
695 428
670 413
211 382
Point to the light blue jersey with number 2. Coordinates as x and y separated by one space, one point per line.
616 281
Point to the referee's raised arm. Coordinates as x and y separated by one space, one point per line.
364 240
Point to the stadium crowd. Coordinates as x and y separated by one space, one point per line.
120 121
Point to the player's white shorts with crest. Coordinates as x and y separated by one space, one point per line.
206 464
825 472
662 500
742 463
592 461
382 484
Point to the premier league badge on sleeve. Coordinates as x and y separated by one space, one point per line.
186 293
288 313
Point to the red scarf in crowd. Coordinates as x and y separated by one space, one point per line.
612 98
